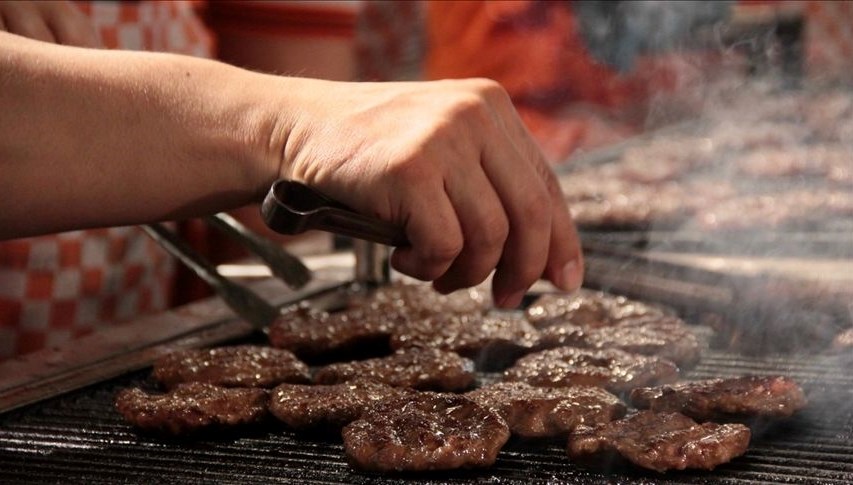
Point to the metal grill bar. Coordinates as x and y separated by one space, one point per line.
80 436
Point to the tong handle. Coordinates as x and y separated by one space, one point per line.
292 208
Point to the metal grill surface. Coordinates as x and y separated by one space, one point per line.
80 438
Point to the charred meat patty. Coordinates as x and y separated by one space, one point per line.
613 369
328 406
587 309
424 369
313 334
416 300
425 431
191 407
369 321
667 337
771 396
533 412
493 340
237 366
660 441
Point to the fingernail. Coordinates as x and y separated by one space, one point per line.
572 277
513 300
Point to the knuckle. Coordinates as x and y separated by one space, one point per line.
471 99
492 90
492 236
414 272
427 272
526 274
536 210
550 180
469 106
442 252
411 171
472 277
487 86
412 267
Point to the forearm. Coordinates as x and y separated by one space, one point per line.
95 138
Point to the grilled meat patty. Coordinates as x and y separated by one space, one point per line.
237 366
613 369
794 208
425 431
328 406
313 334
843 341
587 309
424 369
660 441
772 396
416 300
368 322
663 336
638 206
795 161
191 407
493 341
533 412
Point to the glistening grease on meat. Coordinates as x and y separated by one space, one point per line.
237 366
492 341
612 369
534 412
424 369
425 431
192 407
660 441
328 406
769 396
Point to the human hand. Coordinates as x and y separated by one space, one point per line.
451 162
57 22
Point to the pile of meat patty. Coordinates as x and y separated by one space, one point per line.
765 162
567 364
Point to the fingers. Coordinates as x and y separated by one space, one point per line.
505 213
434 232
49 21
467 181
528 209
70 26
565 259
484 228
542 240
25 19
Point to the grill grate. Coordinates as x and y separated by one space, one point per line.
79 438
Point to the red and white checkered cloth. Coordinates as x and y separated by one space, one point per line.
163 26
58 287
55 288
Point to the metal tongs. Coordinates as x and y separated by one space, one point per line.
243 301
292 208
285 266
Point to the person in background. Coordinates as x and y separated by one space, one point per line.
93 138
581 74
